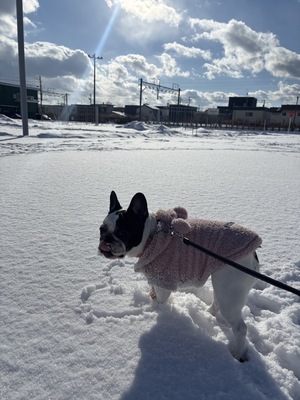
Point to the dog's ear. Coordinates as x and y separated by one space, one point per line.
138 206
114 203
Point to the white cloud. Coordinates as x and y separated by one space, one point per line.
119 79
44 58
148 10
9 6
29 24
30 6
8 55
204 100
138 65
244 50
55 60
117 72
142 22
190 52
281 62
286 93
170 67
119 92
8 25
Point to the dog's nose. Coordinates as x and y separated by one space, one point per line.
104 246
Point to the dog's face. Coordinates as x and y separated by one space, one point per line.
122 230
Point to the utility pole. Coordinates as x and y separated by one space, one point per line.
95 108
23 88
178 98
41 96
159 88
296 109
141 99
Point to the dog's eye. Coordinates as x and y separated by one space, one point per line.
123 235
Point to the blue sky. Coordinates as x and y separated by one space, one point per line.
211 49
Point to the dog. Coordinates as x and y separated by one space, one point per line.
156 240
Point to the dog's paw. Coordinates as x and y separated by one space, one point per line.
241 358
244 357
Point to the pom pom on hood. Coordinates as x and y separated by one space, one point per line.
181 212
175 218
181 226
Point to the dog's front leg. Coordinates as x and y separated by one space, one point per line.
159 294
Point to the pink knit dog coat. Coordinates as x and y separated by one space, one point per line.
168 263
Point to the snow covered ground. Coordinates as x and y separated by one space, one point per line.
74 325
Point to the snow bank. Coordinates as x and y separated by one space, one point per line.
138 126
5 119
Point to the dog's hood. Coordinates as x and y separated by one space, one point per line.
167 262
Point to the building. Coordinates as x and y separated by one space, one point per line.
282 118
131 111
81 112
285 117
148 113
179 113
251 116
235 102
164 113
10 100
143 113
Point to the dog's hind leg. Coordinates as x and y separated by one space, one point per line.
231 310
239 328
159 294
214 307
231 288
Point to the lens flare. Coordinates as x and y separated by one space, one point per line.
99 49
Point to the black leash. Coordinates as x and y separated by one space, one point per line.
246 270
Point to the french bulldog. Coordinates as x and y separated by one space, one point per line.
169 264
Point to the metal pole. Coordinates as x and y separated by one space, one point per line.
141 97
23 89
95 107
296 109
290 121
41 96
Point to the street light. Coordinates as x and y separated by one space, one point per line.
95 109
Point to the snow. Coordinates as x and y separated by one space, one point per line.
74 325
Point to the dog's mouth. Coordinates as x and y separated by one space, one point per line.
106 250
104 246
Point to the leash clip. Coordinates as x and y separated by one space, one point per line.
173 233
168 230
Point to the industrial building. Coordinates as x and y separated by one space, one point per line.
10 101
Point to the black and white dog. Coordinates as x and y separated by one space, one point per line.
168 263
